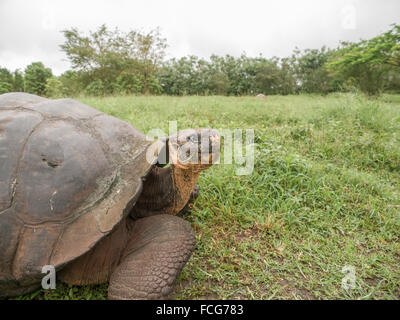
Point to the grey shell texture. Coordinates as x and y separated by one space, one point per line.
68 175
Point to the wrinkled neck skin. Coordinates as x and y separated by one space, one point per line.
165 191
184 180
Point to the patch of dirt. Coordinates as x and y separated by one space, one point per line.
291 290
249 233
372 282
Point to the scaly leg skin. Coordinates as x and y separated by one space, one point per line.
157 251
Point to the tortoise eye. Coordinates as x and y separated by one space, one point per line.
175 146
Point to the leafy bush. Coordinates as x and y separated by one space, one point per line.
128 83
154 86
5 87
72 83
54 88
95 88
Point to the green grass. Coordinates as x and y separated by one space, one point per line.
324 193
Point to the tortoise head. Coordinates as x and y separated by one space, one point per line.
194 149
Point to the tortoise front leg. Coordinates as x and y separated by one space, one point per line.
158 249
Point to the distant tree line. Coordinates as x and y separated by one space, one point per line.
107 62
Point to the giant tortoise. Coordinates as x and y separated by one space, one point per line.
86 193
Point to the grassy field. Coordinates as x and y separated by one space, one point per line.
324 194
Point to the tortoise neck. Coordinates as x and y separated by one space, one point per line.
165 191
157 194
184 180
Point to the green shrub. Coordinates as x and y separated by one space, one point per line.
54 88
128 83
95 88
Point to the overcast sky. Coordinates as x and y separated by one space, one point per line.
30 29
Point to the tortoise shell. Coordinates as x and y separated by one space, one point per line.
68 175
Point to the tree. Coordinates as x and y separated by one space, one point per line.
95 88
128 83
226 76
36 75
18 84
311 72
72 83
218 83
187 75
104 55
367 64
287 83
150 52
6 81
267 77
